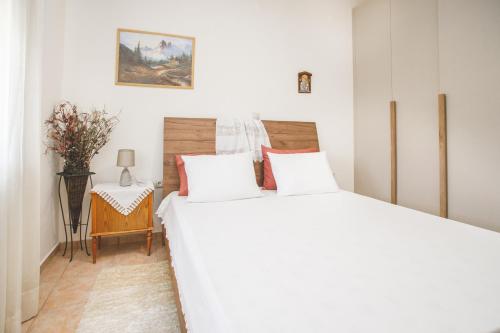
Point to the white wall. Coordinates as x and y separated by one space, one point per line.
52 67
248 54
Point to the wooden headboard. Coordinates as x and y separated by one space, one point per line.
197 135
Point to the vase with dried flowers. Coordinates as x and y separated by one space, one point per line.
77 137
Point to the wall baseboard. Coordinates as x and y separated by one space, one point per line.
51 253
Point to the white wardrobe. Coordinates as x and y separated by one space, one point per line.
410 51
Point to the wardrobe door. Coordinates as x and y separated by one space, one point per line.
372 93
470 76
415 83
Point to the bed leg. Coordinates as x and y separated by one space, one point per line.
149 241
94 249
164 234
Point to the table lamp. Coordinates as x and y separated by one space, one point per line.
126 158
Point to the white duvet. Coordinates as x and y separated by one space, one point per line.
335 262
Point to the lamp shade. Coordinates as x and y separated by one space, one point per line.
126 158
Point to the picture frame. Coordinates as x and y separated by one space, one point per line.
304 82
153 59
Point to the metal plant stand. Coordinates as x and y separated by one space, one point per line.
75 181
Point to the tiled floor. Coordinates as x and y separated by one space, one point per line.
65 286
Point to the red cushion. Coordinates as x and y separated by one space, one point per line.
183 188
269 181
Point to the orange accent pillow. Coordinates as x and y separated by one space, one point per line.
183 181
269 181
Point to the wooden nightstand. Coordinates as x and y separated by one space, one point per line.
107 221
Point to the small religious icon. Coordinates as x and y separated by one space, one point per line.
304 82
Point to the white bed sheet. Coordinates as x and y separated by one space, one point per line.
335 262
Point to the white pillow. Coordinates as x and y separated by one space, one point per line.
305 173
220 177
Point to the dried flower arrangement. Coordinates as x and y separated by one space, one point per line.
78 136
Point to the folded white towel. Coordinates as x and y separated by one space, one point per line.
257 136
230 136
234 136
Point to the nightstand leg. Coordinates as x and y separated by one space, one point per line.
164 234
99 242
94 249
149 241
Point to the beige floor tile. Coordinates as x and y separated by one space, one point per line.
82 264
58 320
25 327
138 249
70 290
53 270
45 290
161 252
65 287
134 258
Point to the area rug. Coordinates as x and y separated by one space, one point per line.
136 298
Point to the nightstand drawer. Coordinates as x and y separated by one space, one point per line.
107 220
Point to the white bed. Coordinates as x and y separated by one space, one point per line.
336 262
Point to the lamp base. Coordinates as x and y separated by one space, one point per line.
125 178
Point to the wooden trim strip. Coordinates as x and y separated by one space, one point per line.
119 233
443 158
394 155
175 287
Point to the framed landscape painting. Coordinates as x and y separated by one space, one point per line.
154 59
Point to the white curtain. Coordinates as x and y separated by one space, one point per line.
20 133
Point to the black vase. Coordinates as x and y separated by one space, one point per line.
76 184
